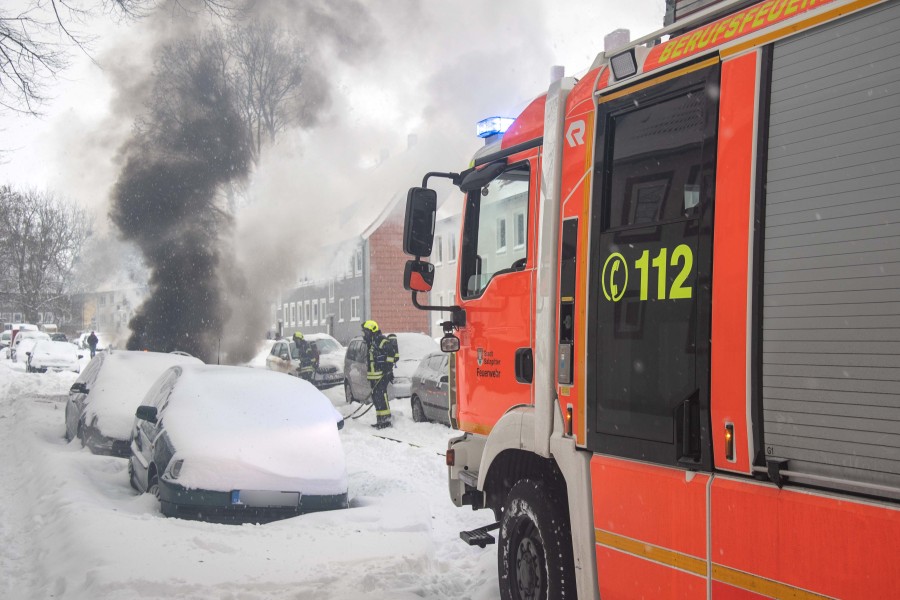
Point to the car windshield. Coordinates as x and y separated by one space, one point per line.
326 346
294 352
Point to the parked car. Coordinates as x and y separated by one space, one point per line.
54 356
5 338
284 358
429 390
21 338
232 444
330 371
412 346
102 401
59 337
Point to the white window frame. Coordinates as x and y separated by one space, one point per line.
331 289
340 310
306 313
354 308
315 312
501 227
451 248
517 244
358 263
293 314
323 311
439 250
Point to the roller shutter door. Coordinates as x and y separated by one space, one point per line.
831 254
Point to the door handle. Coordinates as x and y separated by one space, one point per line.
524 365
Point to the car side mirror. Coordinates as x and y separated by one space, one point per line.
443 379
418 276
146 413
81 356
28 354
78 388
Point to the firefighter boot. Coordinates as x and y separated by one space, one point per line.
382 421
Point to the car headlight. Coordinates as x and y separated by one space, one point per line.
175 469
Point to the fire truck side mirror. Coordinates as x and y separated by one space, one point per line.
418 230
418 276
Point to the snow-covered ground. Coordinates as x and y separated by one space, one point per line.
72 527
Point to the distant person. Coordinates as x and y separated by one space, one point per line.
92 342
308 356
379 370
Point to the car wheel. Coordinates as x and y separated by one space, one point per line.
417 411
131 476
153 487
348 392
535 552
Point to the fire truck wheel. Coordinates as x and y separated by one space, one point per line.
535 553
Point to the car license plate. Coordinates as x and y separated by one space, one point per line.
264 498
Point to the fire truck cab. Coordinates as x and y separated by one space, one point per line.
677 375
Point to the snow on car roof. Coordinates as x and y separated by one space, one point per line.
55 349
242 428
123 380
413 346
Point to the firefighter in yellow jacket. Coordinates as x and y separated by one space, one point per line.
381 355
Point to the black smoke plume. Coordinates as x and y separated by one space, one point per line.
169 195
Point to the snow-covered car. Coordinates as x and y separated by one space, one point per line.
102 401
235 445
28 338
284 358
5 338
412 347
429 396
47 355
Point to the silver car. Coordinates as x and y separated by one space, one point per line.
429 390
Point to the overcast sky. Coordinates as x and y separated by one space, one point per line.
426 48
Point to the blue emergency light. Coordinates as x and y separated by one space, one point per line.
493 126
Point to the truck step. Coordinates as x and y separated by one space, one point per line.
479 537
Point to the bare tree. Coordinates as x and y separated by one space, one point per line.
266 75
42 236
36 39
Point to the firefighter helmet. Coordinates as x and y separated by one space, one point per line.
370 325
298 335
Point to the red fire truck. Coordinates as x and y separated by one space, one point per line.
677 375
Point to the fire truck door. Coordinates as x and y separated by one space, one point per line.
649 323
496 285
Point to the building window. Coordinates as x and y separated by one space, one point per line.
354 308
315 313
323 311
293 314
440 302
340 310
438 250
359 261
451 247
501 235
331 289
306 313
285 316
519 241
102 299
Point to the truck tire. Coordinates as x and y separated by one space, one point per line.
535 549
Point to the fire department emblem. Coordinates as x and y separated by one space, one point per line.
480 356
